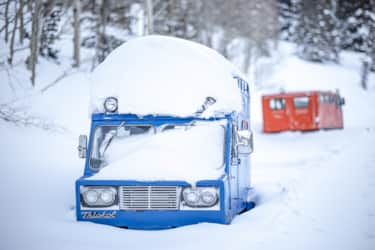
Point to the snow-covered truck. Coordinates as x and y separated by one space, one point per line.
170 138
302 111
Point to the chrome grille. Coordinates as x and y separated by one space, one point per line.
149 197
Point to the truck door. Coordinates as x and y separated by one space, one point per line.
275 117
234 172
302 113
340 102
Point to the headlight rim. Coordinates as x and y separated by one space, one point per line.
191 192
200 190
113 196
86 194
214 200
100 202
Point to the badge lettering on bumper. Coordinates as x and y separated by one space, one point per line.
99 215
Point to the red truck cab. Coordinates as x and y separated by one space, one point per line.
302 111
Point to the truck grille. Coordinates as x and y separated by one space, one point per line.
149 197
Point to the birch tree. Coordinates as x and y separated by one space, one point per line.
6 17
22 22
77 33
34 41
13 35
150 17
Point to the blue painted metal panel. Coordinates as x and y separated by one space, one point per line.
153 219
233 186
159 219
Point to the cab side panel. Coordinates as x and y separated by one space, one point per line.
303 109
275 114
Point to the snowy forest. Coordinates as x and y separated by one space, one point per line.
320 29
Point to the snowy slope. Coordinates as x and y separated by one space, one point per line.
316 188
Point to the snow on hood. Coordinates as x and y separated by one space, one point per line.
165 75
186 154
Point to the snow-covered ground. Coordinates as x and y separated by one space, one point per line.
316 189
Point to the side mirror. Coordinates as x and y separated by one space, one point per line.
82 146
342 101
245 144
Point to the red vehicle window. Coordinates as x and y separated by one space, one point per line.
321 98
277 103
325 98
301 102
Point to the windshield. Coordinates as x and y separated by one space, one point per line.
163 147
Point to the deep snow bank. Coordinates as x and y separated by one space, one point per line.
165 75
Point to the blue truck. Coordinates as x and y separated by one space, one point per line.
130 156
167 204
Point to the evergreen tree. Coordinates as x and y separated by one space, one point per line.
317 31
177 18
370 41
356 16
49 31
289 12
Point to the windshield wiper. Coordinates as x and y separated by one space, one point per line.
108 139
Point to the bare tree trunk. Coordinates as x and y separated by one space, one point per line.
223 46
365 72
150 17
11 46
6 20
208 41
98 11
34 40
77 33
29 6
102 12
22 25
248 57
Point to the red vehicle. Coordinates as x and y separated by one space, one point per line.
302 111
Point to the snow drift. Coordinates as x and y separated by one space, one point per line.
165 75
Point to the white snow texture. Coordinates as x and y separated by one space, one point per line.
316 189
167 76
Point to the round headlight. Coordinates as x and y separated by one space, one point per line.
111 104
107 196
91 196
208 198
191 197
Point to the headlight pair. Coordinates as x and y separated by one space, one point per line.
98 196
200 196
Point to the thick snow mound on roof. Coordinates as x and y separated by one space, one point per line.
165 75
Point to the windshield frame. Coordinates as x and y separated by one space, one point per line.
156 128
118 125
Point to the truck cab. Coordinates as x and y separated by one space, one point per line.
156 171
302 111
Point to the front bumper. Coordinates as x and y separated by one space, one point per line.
152 219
